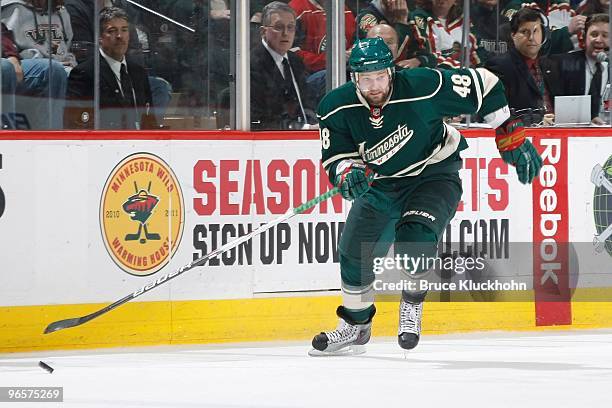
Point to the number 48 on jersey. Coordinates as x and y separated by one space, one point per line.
461 84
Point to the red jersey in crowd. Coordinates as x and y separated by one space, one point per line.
311 38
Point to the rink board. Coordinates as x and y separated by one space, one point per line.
64 225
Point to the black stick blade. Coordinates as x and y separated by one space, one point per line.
76 321
63 324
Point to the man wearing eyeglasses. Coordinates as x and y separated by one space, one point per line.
278 100
531 80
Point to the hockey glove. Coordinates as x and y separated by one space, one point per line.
353 179
526 160
516 150
510 135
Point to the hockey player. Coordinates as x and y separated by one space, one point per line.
391 124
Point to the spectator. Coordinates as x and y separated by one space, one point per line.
491 36
28 19
562 21
581 71
311 37
11 74
82 20
125 96
440 23
530 80
388 35
413 50
311 40
277 74
29 22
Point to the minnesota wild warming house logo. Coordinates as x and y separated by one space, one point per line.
142 214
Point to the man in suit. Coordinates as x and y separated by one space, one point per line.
530 80
82 21
581 71
125 95
277 74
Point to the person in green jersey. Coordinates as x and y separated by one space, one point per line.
386 146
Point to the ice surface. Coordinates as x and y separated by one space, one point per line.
542 369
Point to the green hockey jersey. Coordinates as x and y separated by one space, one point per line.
407 134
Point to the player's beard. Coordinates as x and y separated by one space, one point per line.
378 98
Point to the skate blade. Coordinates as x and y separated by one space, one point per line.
349 351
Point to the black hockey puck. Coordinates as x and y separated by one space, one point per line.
45 366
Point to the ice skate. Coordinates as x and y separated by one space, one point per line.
409 330
348 338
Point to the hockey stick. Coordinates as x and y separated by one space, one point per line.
162 16
64 324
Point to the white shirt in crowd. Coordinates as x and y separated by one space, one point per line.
278 60
115 67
